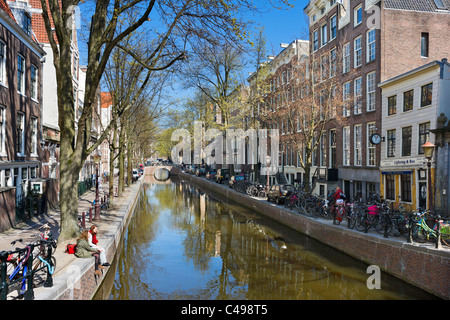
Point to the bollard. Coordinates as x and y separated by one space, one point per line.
438 233
3 276
90 215
83 219
29 293
385 235
49 281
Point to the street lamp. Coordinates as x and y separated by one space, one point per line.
268 165
428 149
97 157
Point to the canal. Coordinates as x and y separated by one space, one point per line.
186 243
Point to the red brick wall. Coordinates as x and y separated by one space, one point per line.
7 208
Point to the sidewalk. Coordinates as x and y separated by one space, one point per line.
107 229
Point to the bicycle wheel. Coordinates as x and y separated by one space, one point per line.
309 209
360 221
419 234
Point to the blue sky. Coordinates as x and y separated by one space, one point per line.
284 25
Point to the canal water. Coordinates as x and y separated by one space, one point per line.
186 243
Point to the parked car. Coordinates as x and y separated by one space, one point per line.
278 192
135 174
222 175
211 175
235 179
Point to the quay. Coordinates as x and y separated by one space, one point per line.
418 264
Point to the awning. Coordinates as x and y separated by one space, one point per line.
396 172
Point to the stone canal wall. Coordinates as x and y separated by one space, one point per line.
420 265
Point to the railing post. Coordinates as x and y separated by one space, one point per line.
49 281
385 235
438 233
3 276
29 293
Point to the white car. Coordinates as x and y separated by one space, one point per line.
135 174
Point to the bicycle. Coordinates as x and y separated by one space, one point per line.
43 243
339 211
20 271
422 233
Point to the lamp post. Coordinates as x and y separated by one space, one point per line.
428 149
97 158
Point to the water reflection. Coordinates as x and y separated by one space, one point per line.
184 243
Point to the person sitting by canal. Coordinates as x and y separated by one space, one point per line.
93 242
84 250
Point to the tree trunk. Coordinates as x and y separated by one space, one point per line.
121 187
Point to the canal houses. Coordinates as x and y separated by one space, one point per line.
373 41
411 105
21 60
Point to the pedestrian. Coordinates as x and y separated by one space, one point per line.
84 250
339 195
93 242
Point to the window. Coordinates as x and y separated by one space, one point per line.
408 98
440 4
346 98
370 147
371 85
346 145
371 46
20 74
358 145
34 82
323 35
2 131
323 149
333 62
26 24
357 96
390 187
324 67
357 15
2 63
346 58
333 27
406 141
333 155
34 131
405 182
424 135
392 105
424 43
316 40
20 134
427 92
358 52
391 143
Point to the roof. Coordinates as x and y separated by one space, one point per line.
4 6
415 5
105 99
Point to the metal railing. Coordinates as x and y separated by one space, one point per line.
30 265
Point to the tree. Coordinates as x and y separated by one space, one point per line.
167 23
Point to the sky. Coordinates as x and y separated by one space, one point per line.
283 25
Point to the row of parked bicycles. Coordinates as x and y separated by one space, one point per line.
377 215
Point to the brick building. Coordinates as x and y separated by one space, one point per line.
21 61
370 41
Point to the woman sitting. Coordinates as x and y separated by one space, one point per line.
93 242
84 250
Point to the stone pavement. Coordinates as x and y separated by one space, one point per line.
26 230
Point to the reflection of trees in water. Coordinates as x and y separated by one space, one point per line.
246 250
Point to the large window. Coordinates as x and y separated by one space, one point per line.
390 187
34 131
346 99
2 63
358 52
316 40
405 181
323 35
20 134
392 105
426 96
333 27
346 145
391 143
408 100
333 62
371 45
371 148
371 86
21 74
357 108
357 15
2 131
358 145
346 58
34 82
406 141
424 135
